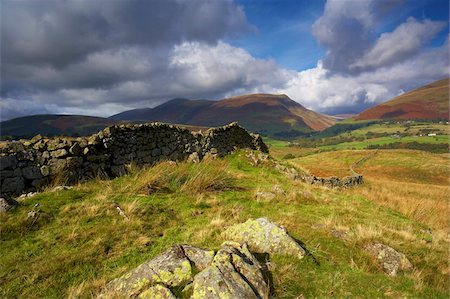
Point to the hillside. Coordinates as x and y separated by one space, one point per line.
52 125
81 242
427 102
275 115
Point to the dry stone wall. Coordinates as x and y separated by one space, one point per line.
30 165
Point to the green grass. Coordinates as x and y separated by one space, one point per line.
81 242
386 140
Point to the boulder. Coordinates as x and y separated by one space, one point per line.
263 236
172 268
234 273
389 259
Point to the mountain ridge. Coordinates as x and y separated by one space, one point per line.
430 101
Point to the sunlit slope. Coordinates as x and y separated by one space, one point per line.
428 102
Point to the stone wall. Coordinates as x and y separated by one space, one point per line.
30 165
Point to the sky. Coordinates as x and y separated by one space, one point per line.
102 57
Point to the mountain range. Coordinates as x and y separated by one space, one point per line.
275 115
267 114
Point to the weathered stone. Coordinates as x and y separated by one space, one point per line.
118 170
278 190
199 258
45 170
171 268
156 152
40 183
31 173
234 273
75 149
157 292
263 236
6 205
59 153
193 158
13 185
389 259
8 162
36 139
264 195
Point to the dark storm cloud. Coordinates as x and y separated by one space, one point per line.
53 51
58 33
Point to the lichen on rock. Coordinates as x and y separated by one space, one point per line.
172 268
234 273
388 258
263 236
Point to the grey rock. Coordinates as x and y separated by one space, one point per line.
264 196
36 139
8 162
45 170
6 205
263 236
13 185
171 268
75 149
59 153
31 173
156 152
194 158
234 273
157 292
388 258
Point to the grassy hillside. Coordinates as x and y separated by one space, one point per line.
52 125
428 102
80 242
383 135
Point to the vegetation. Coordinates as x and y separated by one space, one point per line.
80 242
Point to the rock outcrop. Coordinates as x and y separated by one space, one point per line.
389 259
173 268
190 272
30 165
263 236
234 273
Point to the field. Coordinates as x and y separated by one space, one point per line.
81 242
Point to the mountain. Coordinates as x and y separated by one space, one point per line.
269 114
427 102
51 125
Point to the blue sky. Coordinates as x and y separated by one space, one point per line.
283 28
103 57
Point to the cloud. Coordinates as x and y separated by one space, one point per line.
393 47
111 81
101 58
321 89
57 33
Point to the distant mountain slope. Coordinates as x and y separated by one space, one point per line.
276 115
51 125
428 102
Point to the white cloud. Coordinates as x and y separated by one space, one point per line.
406 40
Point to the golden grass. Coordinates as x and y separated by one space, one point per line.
414 183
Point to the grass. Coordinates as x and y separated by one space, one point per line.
81 242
